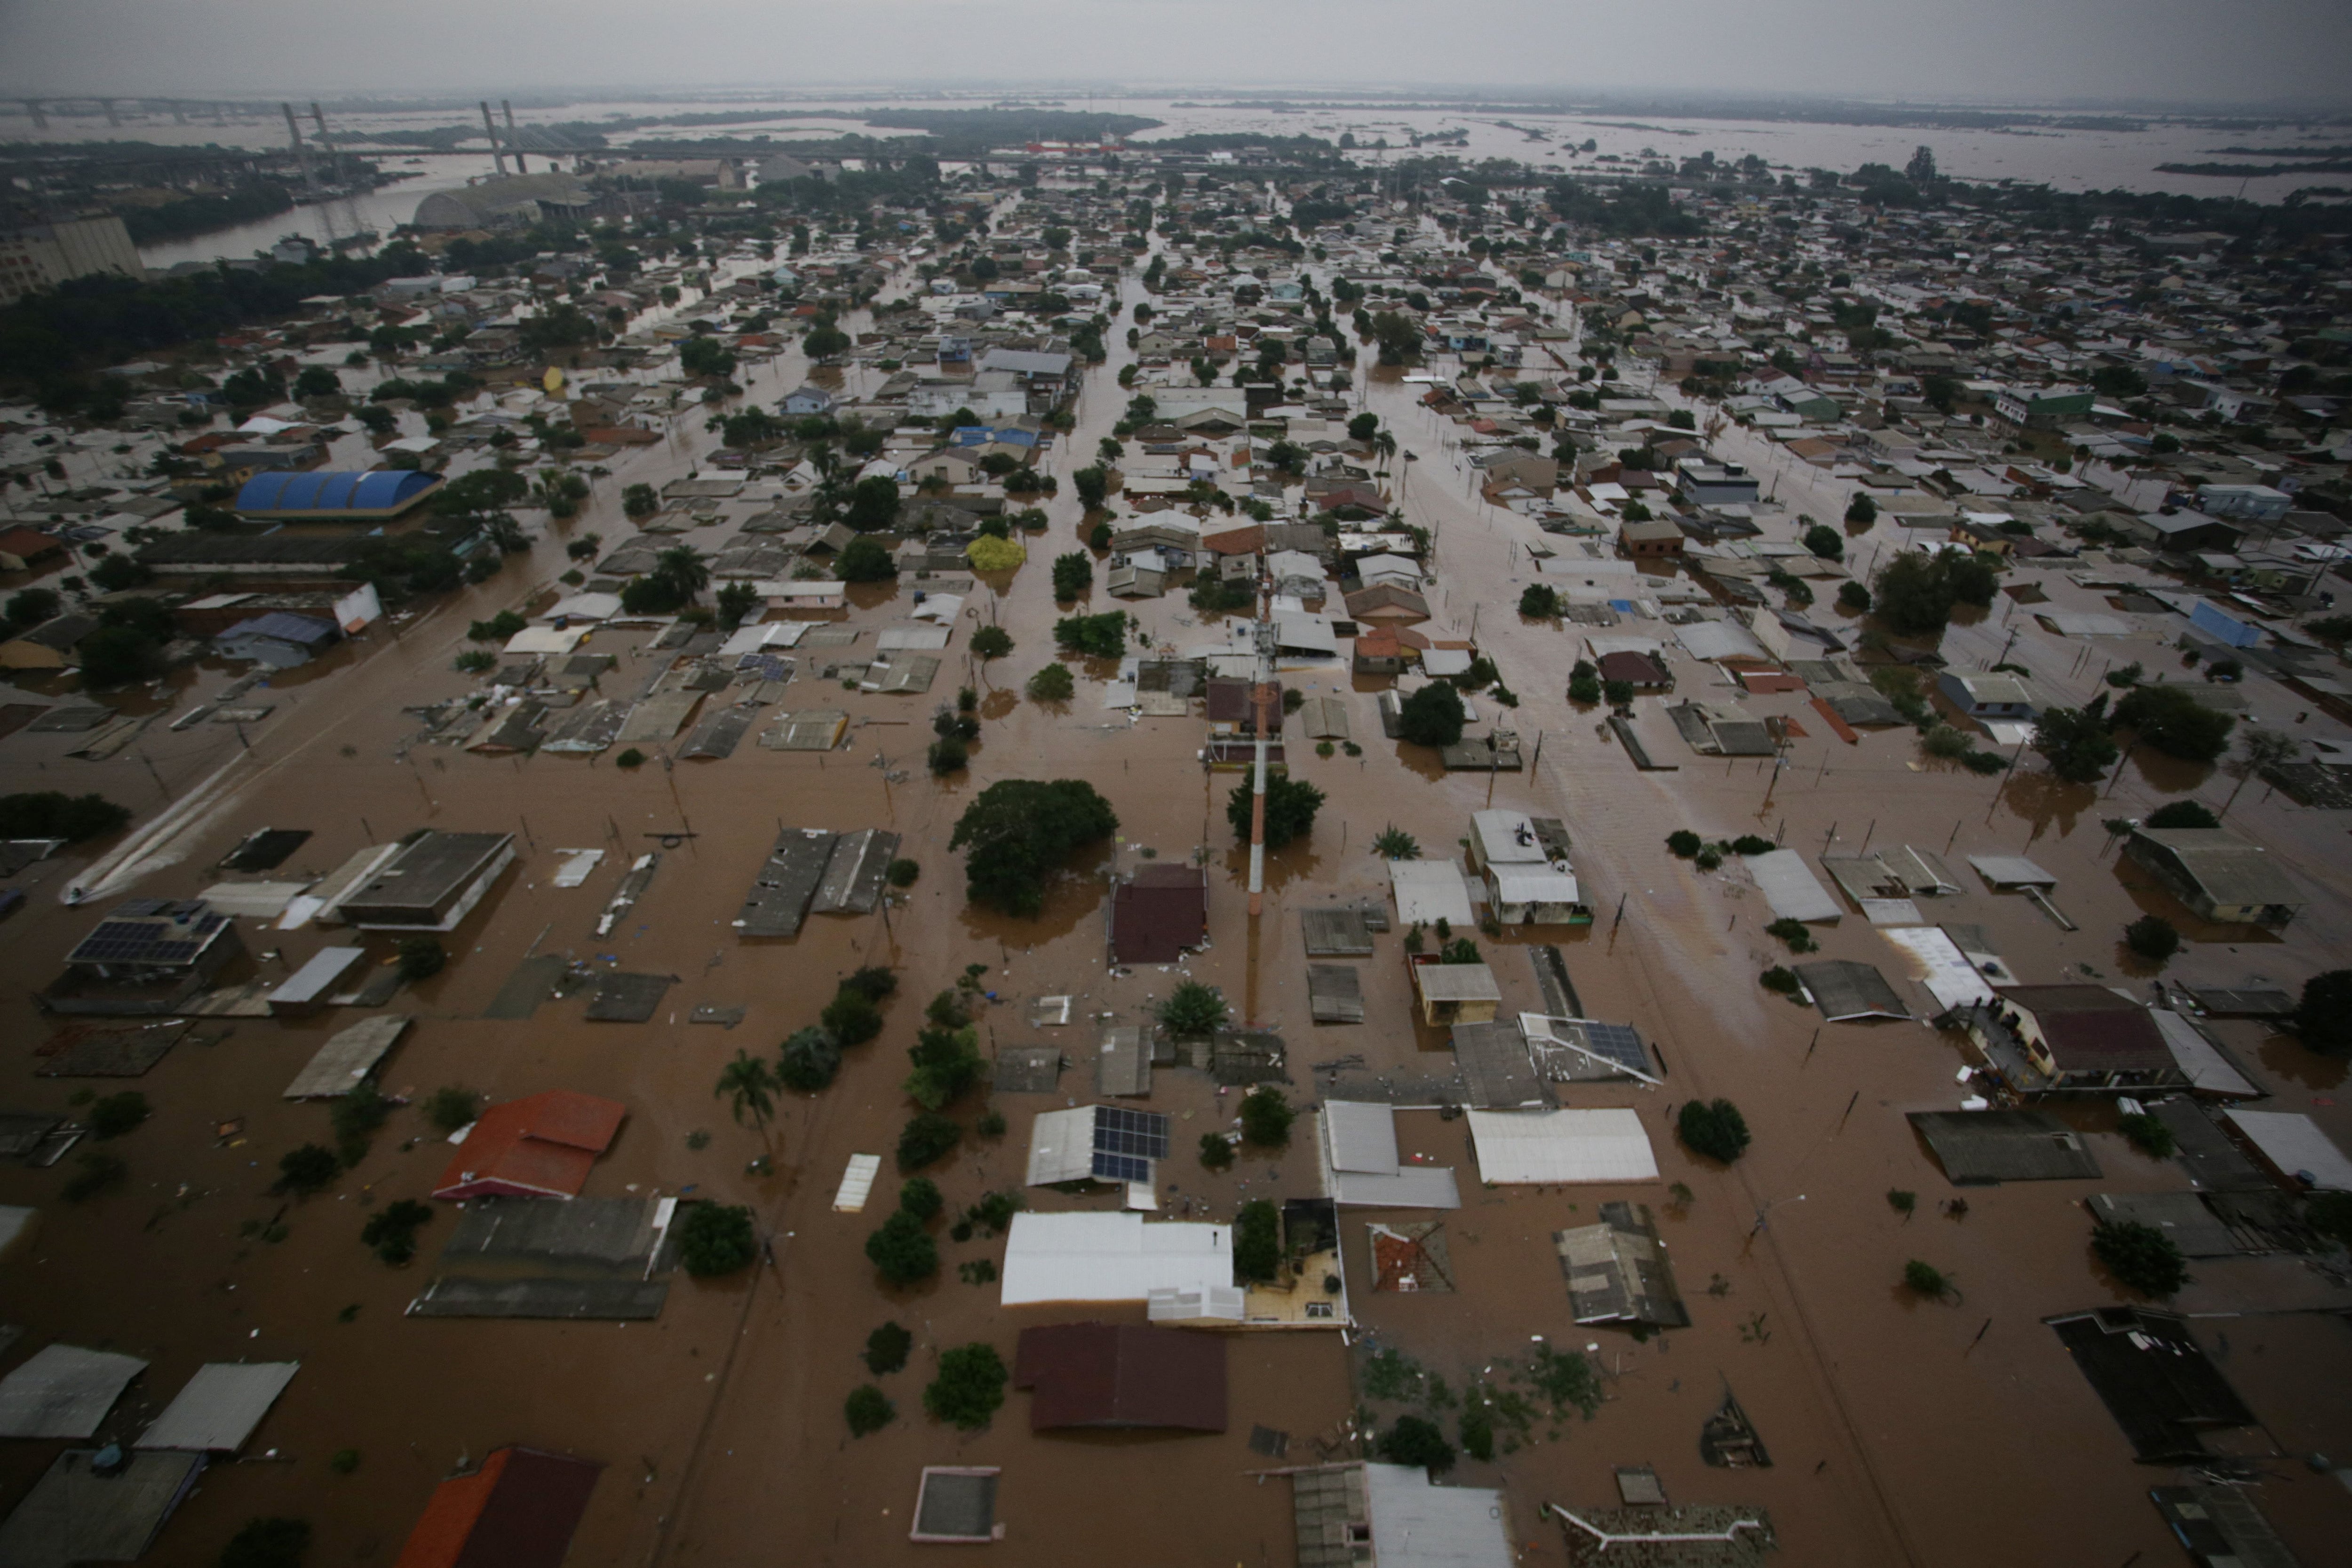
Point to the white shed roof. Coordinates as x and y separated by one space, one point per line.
1519 1146
1062 1146
546 640
585 607
1430 890
64 1391
1416 1523
220 1406
1792 889
2288 1140
1358 1145
856 1184
1111 1257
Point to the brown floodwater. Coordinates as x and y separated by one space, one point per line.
1955 1433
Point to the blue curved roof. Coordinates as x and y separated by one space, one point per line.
322 491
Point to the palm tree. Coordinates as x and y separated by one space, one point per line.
2264 749
1387 445
750 1085
681 568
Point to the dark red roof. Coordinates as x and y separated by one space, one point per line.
1158 914
1122 1375
1634 669
517 1511
1230 703
2089 1028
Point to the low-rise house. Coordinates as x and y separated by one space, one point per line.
539 1147
1717 484
2072 1039
1524 862
1159 914
1980 696
432 885
48 646
1651 540
1639 670
148 956
279 638
2219 876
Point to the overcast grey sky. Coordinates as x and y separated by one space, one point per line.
2180 52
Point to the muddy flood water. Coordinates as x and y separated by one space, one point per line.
1902 1430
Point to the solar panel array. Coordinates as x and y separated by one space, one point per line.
1620 1044
1126 1142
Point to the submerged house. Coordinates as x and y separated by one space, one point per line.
1524 862
148 956
540 1147
2219 876
2072 1039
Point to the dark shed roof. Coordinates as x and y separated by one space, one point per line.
1122 1375
2089 1028
1158 914
2154 1379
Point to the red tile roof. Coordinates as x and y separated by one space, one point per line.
539 1147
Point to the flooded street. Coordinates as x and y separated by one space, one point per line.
1954 1432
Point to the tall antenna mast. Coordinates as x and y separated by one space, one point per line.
1262 705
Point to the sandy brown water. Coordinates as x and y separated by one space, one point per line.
1902 1433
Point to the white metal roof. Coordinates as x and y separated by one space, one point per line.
856 1184
1416 1523
1358 1136
546 640
1430 890
349 1056
1519 1146
2288 1140
314 978
2208 1071
1456 983
2011 871
1792 889
220 1406
584 608
1112 1257
1948 974
64 1391
1515 885
1062 1146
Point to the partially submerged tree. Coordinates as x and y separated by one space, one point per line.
1290 808
1714 1127
1018 832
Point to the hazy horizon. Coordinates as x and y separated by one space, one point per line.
2138 56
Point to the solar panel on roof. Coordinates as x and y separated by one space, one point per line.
1119 1131
1121 1167
1620 1044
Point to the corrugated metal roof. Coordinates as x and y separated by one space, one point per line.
1062 1146
348 1056
1360 1137
1791 886
1115 1257
1520 1147
64 1391
856 1184
2288 1140
221 1405
324 490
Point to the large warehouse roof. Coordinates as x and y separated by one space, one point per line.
384 492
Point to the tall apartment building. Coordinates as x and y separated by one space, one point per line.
42 254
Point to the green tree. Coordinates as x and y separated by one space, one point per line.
864 560
1862 513
1825 542
682 571
1419 1443
868 1410
1912 594
1363 427
887 1348
1266 1117
991 642
2172 720
1192 1009
715 1240
748 1086
392 1230
947 1063
1097 636
2152 937
1216 1154
919 1196
809 1059
902 1251
1093 485
851 1018
1053 683
738 602
1257 1242
1073 575
422 958
1540 602
970 1387
1290 808
1017 834
640 500
308 1168
927 1139
873 504
1431 716
2140 1257
2323 1015
701 356
2182 813
2075 742
1714 1127
1394 843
